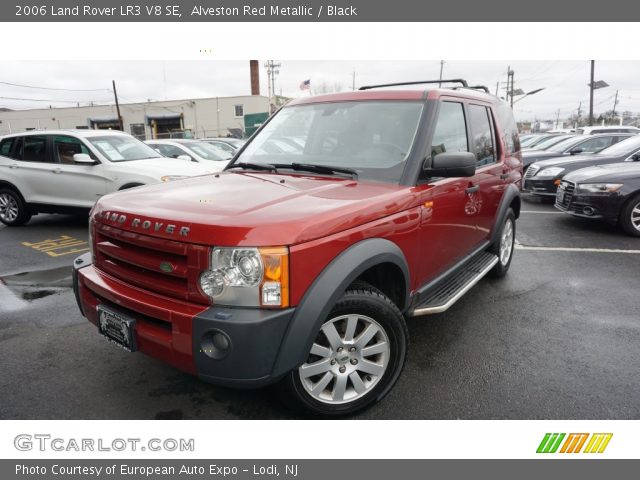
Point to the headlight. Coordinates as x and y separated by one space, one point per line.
171 178
598 187
550 172
249 277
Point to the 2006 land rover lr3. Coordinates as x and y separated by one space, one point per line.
343 215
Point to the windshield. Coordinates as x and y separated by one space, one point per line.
623 148
565 144
373 138
549 142
208 151
122 148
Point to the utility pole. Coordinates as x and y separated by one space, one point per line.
441 68
510 84
353 83
272 70
115 94
497 87
557 118
615 102
579 113
591 88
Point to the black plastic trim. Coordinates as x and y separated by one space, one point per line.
510 193
82 261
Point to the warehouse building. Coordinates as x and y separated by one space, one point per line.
197 118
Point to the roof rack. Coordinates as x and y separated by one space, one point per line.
453 80
480 87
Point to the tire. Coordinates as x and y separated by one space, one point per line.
630 216
351 361
13 211
503 248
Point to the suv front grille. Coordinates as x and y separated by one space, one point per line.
165 267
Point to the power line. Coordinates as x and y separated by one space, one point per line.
58 89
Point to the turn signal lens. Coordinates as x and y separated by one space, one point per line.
274 290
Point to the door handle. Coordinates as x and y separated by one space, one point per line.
473 189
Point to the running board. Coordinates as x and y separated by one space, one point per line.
442 296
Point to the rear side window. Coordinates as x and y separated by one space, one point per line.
33 148
6 145
483 138
509 128
450 134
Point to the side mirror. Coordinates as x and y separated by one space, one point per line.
575 151
83 159
636 157
454 164
184 157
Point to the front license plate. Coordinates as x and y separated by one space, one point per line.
117 328
560 196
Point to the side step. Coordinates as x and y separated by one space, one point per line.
446 293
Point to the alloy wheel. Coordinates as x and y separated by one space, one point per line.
506 242
8 207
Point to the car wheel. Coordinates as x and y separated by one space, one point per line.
356 358
630 216
13 210
503 248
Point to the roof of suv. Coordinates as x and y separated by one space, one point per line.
78 132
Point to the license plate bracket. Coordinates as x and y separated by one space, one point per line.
117 327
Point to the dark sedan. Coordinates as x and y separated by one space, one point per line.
574 146
608 192
542 178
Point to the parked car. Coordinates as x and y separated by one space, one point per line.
231 145
301 267
607 192
548 142
607 129
66 171
193 150
527 140
574 146
542 178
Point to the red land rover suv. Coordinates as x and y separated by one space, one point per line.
342 216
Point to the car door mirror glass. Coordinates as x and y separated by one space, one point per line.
575 151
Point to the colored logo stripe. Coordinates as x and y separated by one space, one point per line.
550 443
598 442
574 443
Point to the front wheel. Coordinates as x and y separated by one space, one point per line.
356 358
13 211
630 216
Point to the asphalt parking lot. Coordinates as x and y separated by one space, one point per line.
556 339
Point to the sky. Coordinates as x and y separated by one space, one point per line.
565 83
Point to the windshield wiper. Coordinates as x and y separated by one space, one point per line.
255 166
310 167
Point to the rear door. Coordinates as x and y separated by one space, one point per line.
37 169
484 193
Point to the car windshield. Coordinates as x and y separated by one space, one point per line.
373 138
623 148
208 151
529 141
549 142
565 144
122 148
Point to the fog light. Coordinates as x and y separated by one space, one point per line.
588 211
271 293
215 344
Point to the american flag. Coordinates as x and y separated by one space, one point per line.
306 85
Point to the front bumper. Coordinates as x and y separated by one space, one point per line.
598 206
186 335
545 186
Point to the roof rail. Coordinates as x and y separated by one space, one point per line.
453 80
480 87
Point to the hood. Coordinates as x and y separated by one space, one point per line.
574 162
612 173
252 209
158 167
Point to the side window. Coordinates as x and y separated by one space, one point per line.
509 128
6 145
34 149
483 143
595 144
65 147
450 134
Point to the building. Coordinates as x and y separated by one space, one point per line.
201 117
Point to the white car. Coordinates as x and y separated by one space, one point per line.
193 150
66 171
607 129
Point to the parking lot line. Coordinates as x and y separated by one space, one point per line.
518 246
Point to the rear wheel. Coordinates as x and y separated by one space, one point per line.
630 216
13 211
503 248
356 357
